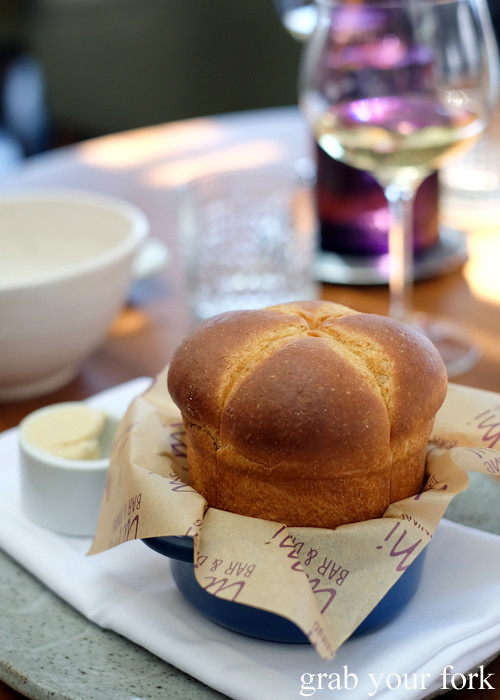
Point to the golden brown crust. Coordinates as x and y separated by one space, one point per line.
307 413
217 351
301 403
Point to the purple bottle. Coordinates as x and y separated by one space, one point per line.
352 210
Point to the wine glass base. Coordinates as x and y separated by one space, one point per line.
459 354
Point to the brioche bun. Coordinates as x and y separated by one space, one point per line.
308 413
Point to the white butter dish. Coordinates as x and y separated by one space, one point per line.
59 493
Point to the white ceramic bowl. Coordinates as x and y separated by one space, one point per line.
61 494
66 264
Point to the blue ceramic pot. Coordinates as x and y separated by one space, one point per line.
260 623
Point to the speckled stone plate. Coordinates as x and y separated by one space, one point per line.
48 651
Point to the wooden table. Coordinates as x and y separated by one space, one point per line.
146 167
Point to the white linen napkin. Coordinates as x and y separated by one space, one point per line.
453 621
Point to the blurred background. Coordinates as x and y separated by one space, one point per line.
75 69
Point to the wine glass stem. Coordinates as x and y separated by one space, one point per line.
400 202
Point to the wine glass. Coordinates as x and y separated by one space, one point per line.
399 88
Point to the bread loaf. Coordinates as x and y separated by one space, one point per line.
309 414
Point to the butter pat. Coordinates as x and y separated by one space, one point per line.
71 432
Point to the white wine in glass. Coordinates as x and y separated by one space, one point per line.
398 88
